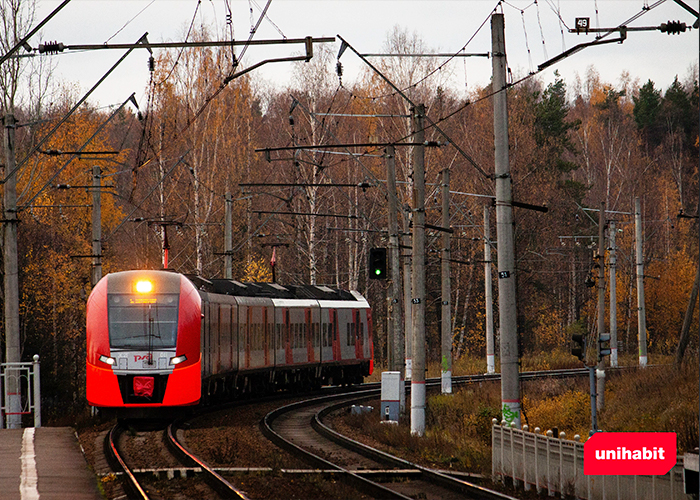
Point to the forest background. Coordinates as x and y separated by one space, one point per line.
573 145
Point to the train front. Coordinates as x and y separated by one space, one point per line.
143 342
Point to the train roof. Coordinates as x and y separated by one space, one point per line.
271 290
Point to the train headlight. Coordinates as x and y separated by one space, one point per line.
144 286
107 360
178 359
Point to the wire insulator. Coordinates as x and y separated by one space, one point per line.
151 64
51 47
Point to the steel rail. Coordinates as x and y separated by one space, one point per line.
212 478
353 479
357 479
117 463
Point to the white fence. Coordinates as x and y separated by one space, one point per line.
20 393
555 465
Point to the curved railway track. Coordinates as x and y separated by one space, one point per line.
371 471
136 490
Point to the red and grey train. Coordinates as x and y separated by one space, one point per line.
159 339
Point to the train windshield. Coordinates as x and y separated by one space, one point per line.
137 322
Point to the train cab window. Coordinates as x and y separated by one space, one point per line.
136 323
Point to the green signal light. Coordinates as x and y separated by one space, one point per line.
378 272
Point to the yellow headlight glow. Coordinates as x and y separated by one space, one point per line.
144 286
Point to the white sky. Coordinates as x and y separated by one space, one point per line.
444 25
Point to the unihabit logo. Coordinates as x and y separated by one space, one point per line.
623 453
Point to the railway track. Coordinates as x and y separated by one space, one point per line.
299 429
371 471
137 489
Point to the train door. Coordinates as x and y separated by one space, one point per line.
335 336
289 359
243 337
369 346
359 327
346 332
316 333
308 327
254 351
268 344
235 343
279 336
225 337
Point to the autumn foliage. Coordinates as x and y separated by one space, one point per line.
573 145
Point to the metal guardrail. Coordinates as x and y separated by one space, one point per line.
20 393
556 465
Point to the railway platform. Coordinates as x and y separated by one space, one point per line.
44 464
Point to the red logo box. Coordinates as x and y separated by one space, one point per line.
629 453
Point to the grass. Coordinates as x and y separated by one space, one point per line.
458 426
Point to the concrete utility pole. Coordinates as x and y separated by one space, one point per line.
12 343
600 371
96 225
407 290
228 237
488 295
418 294
641 311
396 349
446 372
613 294
510 378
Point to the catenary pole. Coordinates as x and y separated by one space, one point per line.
12 343
418 272
446 365
96 225
488 295
641 310
407 291
600 371
612 230
398 341
510 383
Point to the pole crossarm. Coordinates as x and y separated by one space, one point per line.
433 144
578 48
439 54
362 185
47 48
305 214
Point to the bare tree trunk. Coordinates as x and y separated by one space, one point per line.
687 320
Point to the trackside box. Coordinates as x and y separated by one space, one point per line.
391 395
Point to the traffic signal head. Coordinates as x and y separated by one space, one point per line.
377 263
578 346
